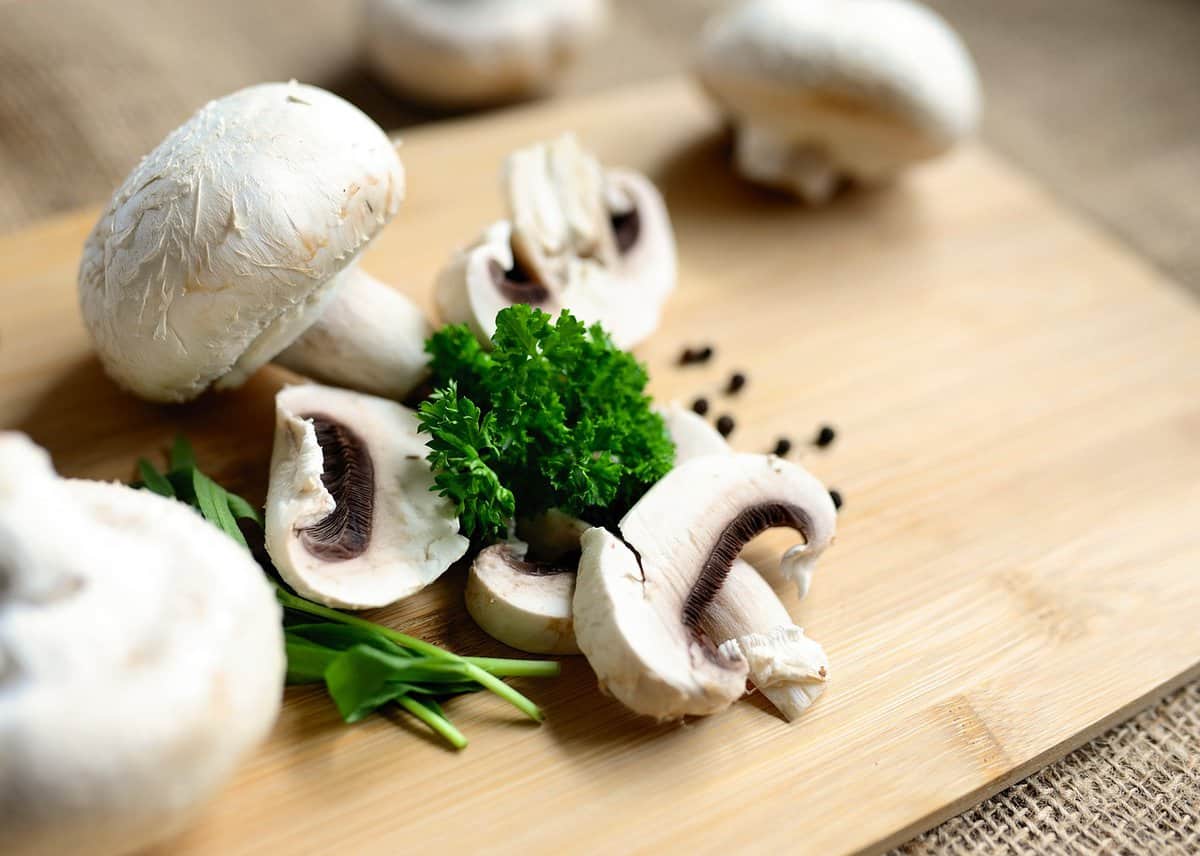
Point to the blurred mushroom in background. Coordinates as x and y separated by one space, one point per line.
471 53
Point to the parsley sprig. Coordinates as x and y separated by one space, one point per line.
554 415
362 664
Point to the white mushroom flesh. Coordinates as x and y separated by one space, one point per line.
831 89
595 241
524 604
141 659
641 598
351 519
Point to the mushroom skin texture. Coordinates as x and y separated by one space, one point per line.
352 521
237 234
526 605
476 52
641 599
141 659
828 90
595 241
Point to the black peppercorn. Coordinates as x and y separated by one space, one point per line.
725 425
824 437
700 405
736 381
703 355
687 357
836 496
695 355
782 446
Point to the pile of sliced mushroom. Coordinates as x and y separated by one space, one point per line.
670 619
579 236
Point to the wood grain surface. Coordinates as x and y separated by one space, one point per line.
1018 561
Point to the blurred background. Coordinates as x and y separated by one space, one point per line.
1096 98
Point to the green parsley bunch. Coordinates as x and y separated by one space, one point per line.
554 415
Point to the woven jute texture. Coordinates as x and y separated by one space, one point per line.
1095 97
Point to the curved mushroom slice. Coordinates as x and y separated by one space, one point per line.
825 90
473 52
524 604
641 599
351 519
141 659
596 242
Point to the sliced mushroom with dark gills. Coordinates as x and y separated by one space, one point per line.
349 476
650 601
517 284
627 228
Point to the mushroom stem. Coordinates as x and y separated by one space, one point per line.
799 166
369 337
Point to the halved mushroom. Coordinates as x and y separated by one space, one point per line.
642 598
351 519
238 237
595 241
141 659
826 90
524 604
473 52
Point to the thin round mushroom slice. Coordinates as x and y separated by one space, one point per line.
641 599
595 241
239 233
141 660
351 519
827 90
476 52
524 604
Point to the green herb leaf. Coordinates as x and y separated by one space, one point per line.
554 416
153 480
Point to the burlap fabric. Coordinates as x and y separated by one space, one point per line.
1096 97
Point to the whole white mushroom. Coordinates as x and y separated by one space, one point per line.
235 243
141 659
825 90
475 52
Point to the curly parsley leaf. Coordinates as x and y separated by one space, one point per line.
554 416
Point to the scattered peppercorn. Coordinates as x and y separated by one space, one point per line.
736 381
782 446
836 496
700 405
824 437
696 355
725 425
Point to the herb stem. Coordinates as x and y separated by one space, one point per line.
475 672
503 668
439 724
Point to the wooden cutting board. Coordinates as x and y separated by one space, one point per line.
1018 563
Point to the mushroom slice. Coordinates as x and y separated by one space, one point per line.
595 241
526 605
474 52
141 659
352 520
825 90
641 599
238 233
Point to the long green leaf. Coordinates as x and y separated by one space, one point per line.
153 480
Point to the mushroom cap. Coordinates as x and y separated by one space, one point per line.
871 84
595 241
640 599
222 245
141 658
352 520
526 605
476 51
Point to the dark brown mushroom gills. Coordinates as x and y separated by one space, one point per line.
748 524
521 284
349 476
